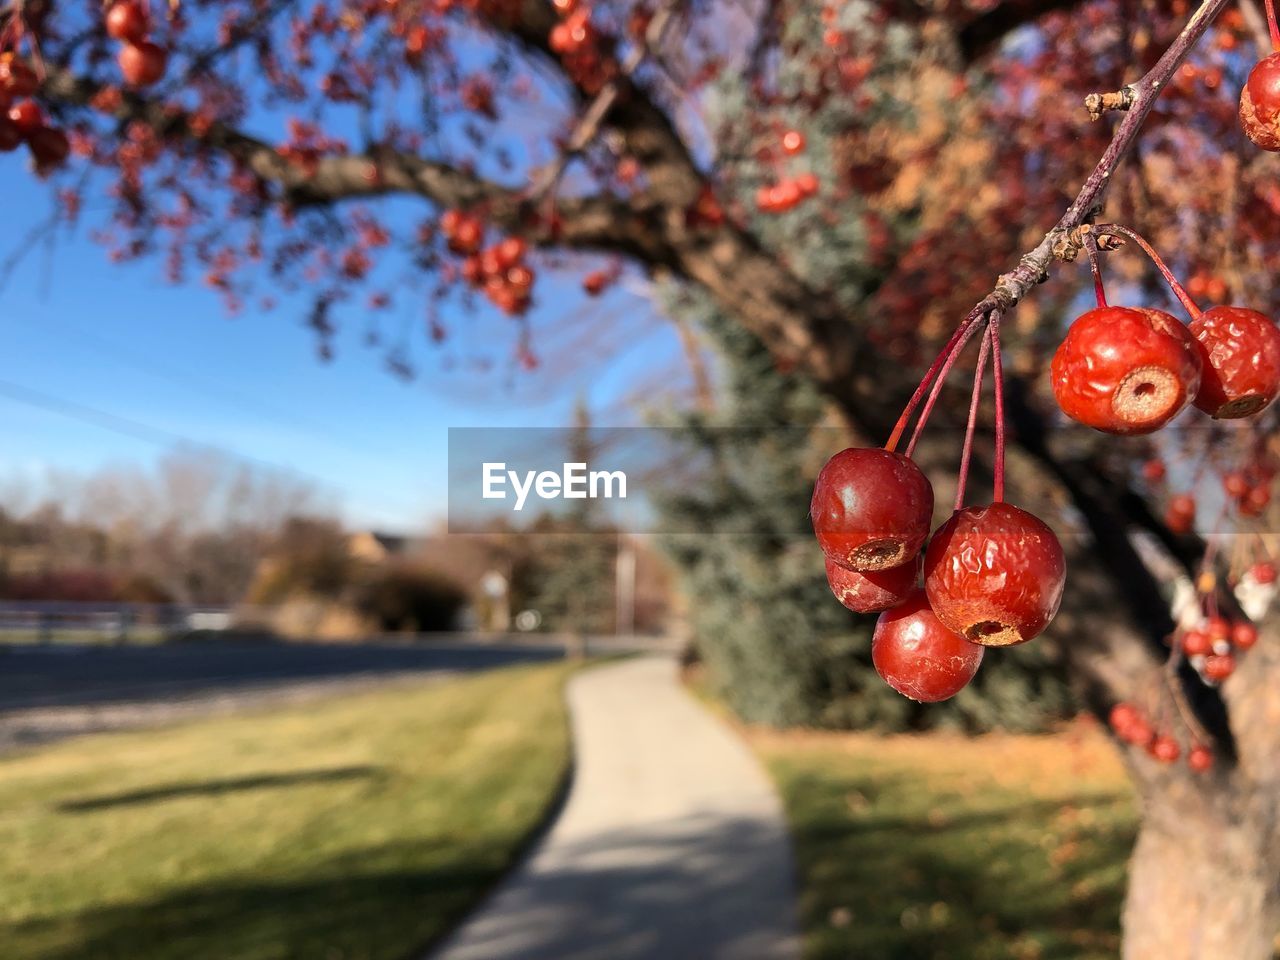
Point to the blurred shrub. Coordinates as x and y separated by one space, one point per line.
310 556
408 599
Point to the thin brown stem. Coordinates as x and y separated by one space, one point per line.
1113 229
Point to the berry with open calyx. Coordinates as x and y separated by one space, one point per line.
1125 370
918 656
871 509
873 590
1240 354
1260 103
995 574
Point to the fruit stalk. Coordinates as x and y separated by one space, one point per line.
997 373
966 332
943 355
1271 25
967 452
1114 229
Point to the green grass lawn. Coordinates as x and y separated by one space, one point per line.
356 827
939 846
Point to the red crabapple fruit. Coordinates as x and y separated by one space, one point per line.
873 590
919 657
1240 360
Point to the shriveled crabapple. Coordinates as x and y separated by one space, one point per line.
995 574
1260 103
919 657
873 590
871 509
1240 361
1125 370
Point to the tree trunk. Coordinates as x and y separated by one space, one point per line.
1204 880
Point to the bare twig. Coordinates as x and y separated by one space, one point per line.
1033 268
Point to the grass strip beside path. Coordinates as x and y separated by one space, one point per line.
355 828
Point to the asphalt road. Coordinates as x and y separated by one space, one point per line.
60 676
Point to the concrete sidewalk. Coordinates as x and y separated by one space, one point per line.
671 845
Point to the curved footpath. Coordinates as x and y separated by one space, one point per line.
671 844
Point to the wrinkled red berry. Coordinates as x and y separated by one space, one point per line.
995 574
919 657
1260 103
873 590
1240 360
871 509
1125 370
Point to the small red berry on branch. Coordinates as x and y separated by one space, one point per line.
918 656
142 64
1240 354
995 574
871 509
1126 370
1260 104
126 21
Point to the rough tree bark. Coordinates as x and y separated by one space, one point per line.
1204 880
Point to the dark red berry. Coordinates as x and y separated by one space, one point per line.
871 509
127 21
27 116
1240 360
1260 103
1125 370
49 147
873 590
17 79
995 574
918 656
142 64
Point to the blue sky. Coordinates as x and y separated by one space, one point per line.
76 330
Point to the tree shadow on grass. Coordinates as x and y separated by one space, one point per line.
891 878
209 788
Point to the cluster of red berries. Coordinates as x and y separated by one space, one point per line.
788 192
992 576
1210 647
1130 370
1132 726
22 120
578 45
500 271
141 61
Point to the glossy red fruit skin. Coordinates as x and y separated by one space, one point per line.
142 64
919 657
995 574
1200 759
1125 370
1260 103
1240 361
27 116
871 509
126 21
874 590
